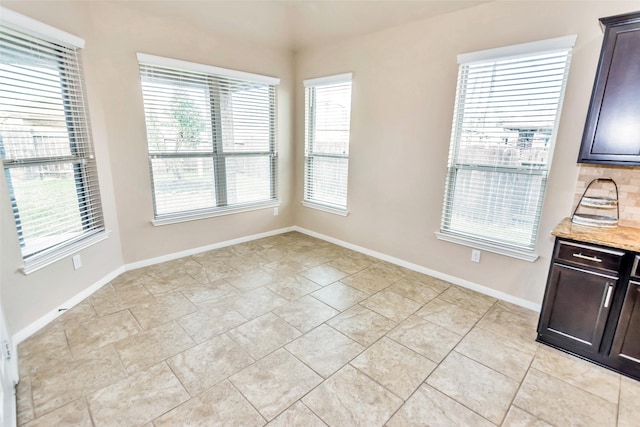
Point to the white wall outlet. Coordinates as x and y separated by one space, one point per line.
77 262
275 211
475 255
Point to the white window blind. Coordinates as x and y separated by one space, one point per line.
505 122
327 125
46 148
211 140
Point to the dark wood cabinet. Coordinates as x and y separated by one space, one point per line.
612 130
591 306
626 342
578 306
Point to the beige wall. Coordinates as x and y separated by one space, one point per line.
404 82
113 35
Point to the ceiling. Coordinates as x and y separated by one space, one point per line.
292 24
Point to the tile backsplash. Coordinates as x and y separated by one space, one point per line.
628 180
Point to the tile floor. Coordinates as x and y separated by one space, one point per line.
294 331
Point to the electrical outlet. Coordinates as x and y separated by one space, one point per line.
275 211
77 262
475 255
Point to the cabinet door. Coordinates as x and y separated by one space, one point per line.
612 130
576 307
626 343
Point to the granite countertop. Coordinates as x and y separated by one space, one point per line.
627 238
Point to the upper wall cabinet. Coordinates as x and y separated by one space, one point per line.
612 131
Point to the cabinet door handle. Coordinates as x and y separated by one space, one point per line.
607 298
588 258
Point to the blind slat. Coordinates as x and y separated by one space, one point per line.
46 146
327 129
211 140
504 127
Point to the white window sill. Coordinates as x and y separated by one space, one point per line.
487 246
183 217
47 258
325 208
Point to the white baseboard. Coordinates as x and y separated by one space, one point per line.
43 321
420 269
34 327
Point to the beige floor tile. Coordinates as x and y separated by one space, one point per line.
207 323
45 346
263 335
516 417
274 383
95 333
466 298
368 281
511 321
252 279
479 388
629 403
218 290
391 305
81 313
247 263
449 316
578 372
257 302
110 302
429 407
150 347
165 309
350 398
284 267
426 338
562 404
509 356
75 413
166 285
65 380
414 290
324 274
297 415
221 406
305 313
210 273
438 285
394 366
310 257
362 325
293 287
340 296
137 277
24 404
207 364
325 350
137 399
352 263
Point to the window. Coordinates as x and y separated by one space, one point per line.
327 119
45 142
211 139
507 109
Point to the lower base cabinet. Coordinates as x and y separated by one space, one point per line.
591 306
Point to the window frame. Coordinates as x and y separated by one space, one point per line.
310 120
213 77
445 233
81 157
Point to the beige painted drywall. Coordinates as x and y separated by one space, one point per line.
404 82
113 34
